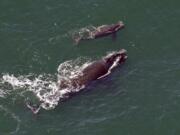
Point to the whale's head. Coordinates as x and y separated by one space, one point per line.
116 58
119 25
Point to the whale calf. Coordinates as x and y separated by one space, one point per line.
100 31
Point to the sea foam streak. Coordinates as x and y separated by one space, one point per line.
2 93
45 86
86 32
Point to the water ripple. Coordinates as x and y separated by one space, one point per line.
13 116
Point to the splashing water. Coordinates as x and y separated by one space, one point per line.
2 94
45 86
41 86
85 33
71 69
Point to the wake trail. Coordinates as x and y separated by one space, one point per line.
45 87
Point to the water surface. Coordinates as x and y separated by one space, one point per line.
141 97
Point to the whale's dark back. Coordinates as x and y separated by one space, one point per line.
95 70
89 74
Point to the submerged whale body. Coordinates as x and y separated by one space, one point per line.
95 70
100 31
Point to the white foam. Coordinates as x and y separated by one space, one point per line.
17 82
45 86
85 33
2 93
72 68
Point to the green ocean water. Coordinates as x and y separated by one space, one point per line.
141 97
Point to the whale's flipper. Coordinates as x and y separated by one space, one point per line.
114 36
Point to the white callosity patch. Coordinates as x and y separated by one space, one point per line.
115 64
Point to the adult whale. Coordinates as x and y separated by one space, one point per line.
95 70
100 31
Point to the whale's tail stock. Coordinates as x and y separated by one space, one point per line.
76 40
33 107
